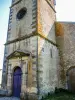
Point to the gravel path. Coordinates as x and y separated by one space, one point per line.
9 98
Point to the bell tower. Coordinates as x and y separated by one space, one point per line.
30 45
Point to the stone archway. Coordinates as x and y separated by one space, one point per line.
17 81
71 79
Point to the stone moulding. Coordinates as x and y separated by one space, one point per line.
19 39
28 36
50 6
19 53
15 3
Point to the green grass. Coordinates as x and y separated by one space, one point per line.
60 96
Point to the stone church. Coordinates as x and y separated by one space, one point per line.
39 52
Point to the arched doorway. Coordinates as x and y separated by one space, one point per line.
71 79
17 82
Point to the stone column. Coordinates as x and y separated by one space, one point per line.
30 79
23 85
9 80
4 74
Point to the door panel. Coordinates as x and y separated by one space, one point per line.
17 82
71 79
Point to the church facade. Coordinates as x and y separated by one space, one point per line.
39 52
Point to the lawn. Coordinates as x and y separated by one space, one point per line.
60 96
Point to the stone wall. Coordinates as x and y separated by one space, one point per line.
47 66
65 34
27 45
19 28
46 19
28 85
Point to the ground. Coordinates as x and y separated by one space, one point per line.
9 98
60 96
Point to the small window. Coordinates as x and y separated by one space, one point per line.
21 13
51 53
43 49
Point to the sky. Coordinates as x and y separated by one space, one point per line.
4 16
65 12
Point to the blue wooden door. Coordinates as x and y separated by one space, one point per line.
17 82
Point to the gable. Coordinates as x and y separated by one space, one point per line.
18 53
